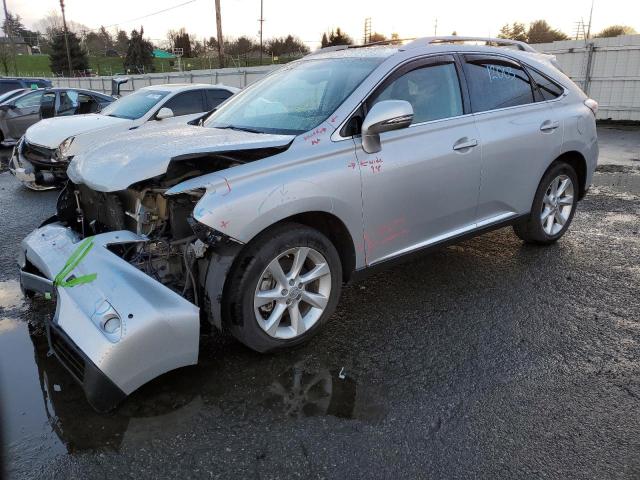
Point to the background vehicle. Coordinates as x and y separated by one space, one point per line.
41 158
12 93
333 164
8 83
19 113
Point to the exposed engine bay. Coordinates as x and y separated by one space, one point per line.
176 253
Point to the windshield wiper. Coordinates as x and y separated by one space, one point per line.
242 129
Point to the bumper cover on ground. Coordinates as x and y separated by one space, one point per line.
159 329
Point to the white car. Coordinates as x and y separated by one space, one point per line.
41 157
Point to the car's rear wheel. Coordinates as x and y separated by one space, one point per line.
553 206
283 287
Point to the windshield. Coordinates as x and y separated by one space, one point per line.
135 105
296 98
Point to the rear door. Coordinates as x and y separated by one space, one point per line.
520 136
215 96
186 103
25 113
422 187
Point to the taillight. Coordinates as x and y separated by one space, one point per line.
593 105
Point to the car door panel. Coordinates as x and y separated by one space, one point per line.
25 114
423 184
520 137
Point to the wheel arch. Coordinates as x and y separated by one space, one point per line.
579 164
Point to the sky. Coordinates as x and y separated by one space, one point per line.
308 19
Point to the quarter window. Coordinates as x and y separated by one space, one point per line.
496 83
216 97
186 103
433 92
547 88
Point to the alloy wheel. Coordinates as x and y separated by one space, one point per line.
286 305
557 205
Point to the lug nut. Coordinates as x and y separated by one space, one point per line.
284 291
291 282
300 285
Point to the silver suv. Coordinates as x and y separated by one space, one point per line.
252 218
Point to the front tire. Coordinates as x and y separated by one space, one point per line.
283 288
553 206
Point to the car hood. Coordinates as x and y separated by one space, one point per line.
51 132
142 154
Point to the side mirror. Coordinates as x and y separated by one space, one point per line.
163 113
8 106
383 117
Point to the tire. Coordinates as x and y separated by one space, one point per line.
538 228
252 281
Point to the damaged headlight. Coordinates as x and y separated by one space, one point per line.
62 152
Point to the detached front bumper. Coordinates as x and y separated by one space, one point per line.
158 329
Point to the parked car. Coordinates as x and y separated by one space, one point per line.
12 93
332 165
10 83
40 159
19 113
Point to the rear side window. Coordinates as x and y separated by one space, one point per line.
9 85
216 97
29 100
186 103
547 89
433 91
496 83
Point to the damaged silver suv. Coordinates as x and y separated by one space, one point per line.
252 218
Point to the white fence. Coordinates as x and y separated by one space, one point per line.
607 69
234 77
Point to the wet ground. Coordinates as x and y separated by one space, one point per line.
486 359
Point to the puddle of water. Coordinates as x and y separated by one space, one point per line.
46 414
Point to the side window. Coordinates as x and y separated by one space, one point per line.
87 104
216 97
186 103
30 100
69 101
48 105
547 88
9 85
496 83
433 91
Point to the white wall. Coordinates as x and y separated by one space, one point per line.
614 76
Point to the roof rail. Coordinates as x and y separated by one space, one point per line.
391 41
525 47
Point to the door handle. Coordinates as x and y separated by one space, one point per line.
464 143
548 125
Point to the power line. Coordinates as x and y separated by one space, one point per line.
146 16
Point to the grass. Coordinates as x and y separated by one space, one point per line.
38 65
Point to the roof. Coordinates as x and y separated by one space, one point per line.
174 87
157 53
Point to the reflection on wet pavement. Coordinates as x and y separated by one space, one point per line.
229 381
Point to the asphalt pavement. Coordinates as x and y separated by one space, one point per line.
488 359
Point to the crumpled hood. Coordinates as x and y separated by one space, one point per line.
141 154
51 132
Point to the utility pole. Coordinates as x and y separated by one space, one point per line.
219 27
66 38
590 18
10 28
261 25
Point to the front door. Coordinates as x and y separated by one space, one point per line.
422 187
25 114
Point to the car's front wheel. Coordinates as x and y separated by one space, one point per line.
553 206
283 287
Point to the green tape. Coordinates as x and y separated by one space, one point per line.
73 261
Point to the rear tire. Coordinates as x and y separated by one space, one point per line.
553 206
283 288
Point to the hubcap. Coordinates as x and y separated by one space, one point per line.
557 205
288 304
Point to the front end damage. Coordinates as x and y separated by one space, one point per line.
155 273
37 167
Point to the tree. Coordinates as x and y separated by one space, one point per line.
106 41
288 45
325 41
5 56
515 31
13 26
58 56
616 31
541 32
338 37
377 37
51 25
180 39
139 53
240 46
122 41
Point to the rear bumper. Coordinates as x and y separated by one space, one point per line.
159 330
